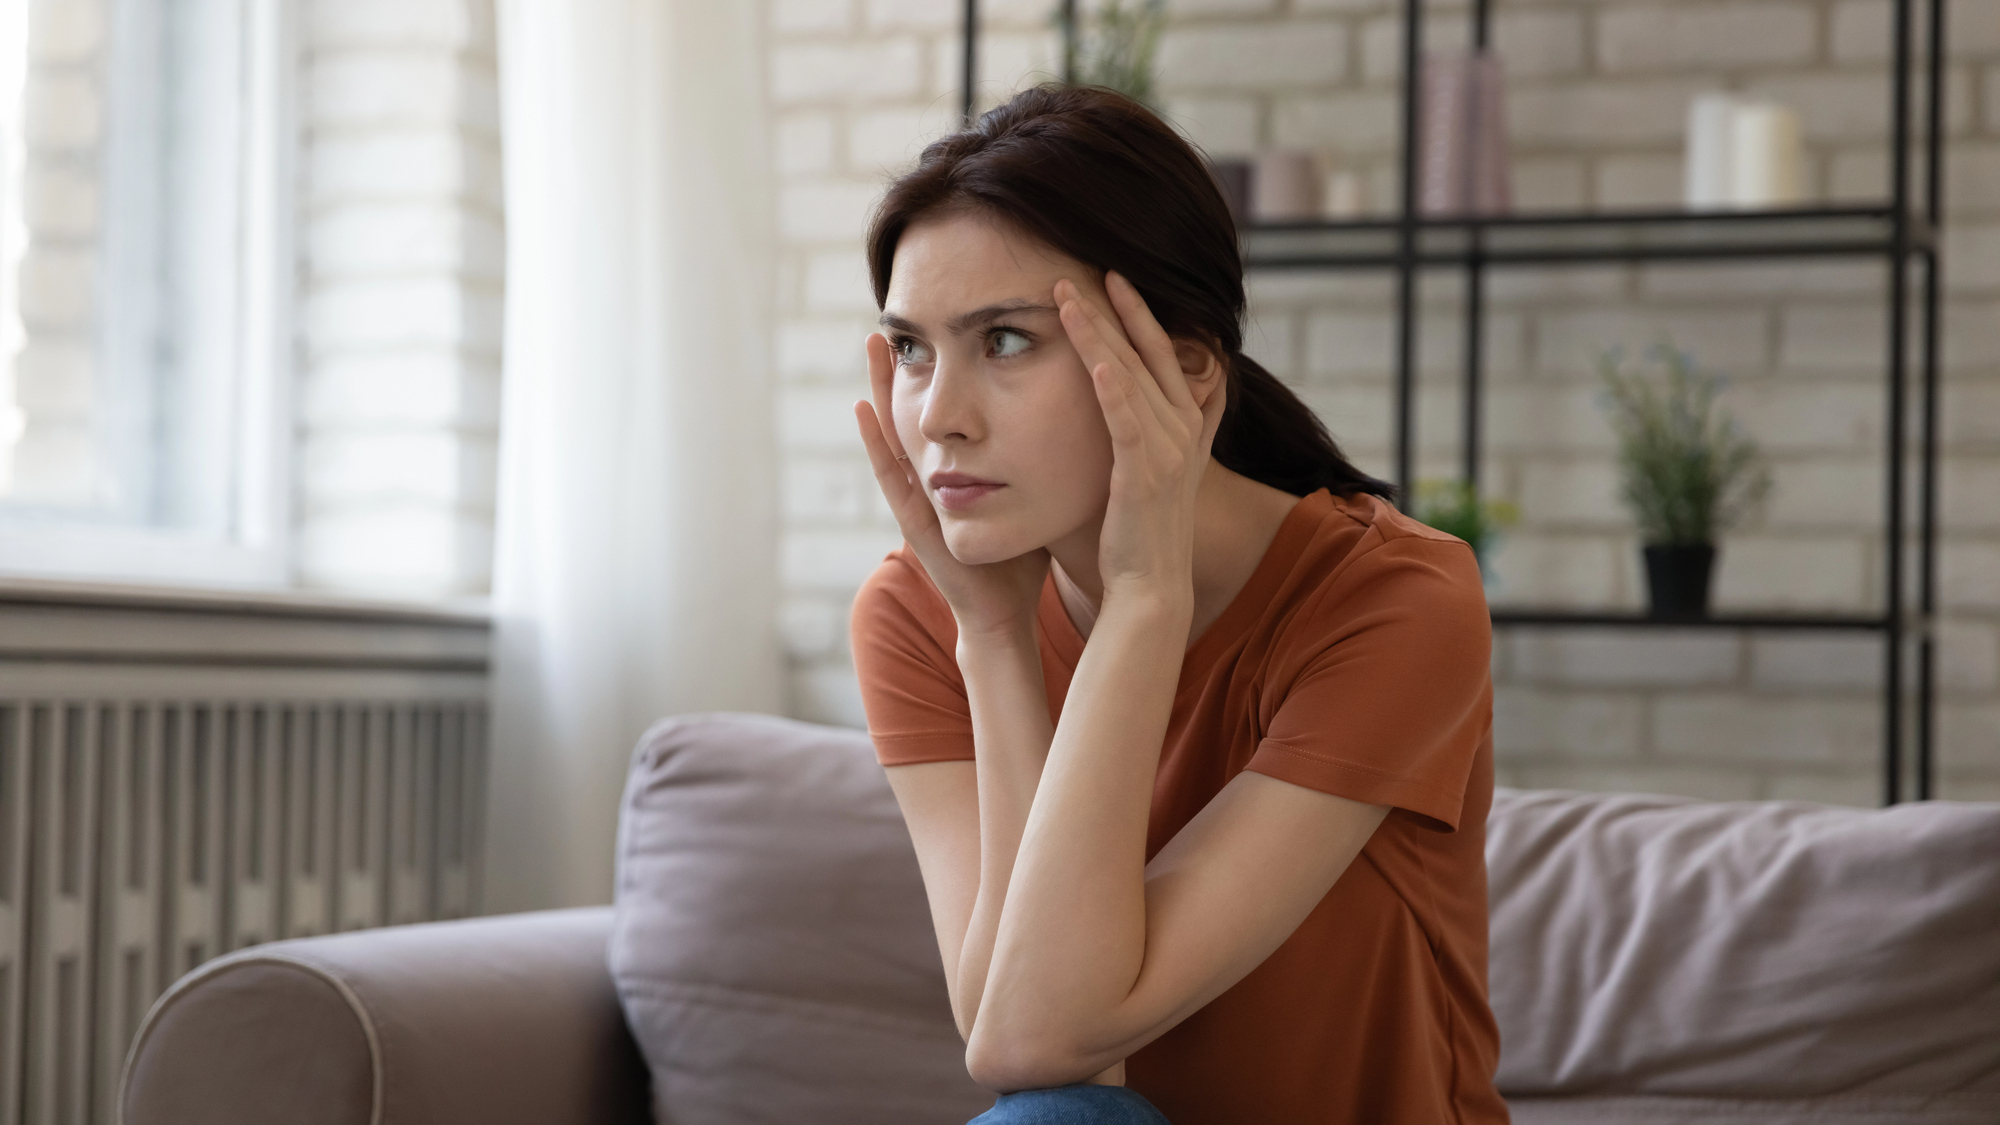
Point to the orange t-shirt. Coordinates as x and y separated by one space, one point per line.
1355 662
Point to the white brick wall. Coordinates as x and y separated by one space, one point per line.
403 245
1696 37
1598 94
1296 52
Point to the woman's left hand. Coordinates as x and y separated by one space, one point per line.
1160 440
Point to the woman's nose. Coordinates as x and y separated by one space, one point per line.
951 406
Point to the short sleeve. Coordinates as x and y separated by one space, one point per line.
1391 696
904 642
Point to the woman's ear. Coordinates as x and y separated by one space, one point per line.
1202 367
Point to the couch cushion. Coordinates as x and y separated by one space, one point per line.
1649 950
773 947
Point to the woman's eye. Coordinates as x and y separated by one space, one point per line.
909 352
1007 342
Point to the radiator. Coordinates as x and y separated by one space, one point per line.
182 776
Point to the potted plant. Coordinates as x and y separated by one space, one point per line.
1120 54
1454 507
1686 472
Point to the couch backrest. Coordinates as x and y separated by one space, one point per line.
774 953
1657 945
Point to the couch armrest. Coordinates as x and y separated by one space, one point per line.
493 1021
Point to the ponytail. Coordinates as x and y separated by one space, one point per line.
1271 436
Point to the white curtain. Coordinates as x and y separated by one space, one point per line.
634 568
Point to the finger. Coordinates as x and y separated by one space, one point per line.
889 471
1110 341
1212 411
881 385
907 501
1098 340
1124 415
1151 341
1151 383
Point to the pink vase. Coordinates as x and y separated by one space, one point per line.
1463 164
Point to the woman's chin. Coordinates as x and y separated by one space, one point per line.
978 546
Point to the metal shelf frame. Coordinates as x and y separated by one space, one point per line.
1902 232
1633 619
1562 239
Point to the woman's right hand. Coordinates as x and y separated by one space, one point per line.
993 599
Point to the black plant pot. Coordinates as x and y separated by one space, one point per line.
1677 578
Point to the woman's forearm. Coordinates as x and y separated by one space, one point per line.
1011 730
1072 938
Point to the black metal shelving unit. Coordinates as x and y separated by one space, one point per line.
1901 232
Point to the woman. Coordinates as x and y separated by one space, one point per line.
1191 727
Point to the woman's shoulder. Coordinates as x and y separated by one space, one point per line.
1366 556
1388 522
899 575
902 639
898 596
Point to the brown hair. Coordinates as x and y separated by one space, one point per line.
1098 177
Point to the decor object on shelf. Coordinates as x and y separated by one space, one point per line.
1711 129
1743 154
1232 177
1686 472
1464 166
1343 195
1284 186
1288 186
1121 52
1767 156
1454 507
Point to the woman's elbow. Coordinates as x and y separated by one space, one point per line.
1004 1062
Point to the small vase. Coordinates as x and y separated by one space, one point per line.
1677 578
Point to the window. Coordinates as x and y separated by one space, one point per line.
144 282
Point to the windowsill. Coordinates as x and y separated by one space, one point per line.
58 629
294 605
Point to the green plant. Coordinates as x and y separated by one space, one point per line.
1454 507
1121 52
1686 471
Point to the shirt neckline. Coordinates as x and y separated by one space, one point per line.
1294 533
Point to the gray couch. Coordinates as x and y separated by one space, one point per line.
770 960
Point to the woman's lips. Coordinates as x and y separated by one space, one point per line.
957 492
962 496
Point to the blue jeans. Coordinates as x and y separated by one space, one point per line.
1072 1105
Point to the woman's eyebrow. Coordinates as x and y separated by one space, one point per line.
965 322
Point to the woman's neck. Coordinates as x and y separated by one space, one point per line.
1236 519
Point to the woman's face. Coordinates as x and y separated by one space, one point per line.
990 401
